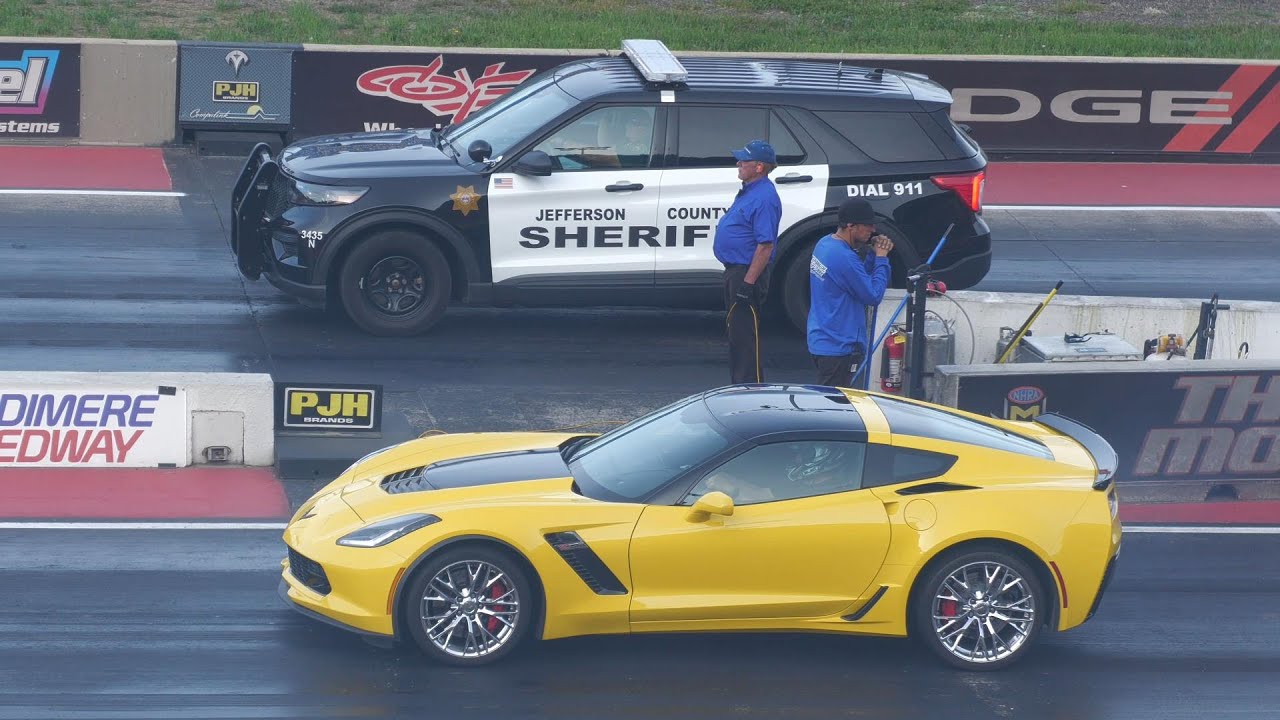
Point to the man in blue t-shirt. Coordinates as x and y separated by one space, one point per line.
745 239
848 273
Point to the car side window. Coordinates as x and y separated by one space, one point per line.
884 136
605 139
784 143
708 135
786 471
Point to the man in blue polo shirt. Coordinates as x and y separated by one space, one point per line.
849 272
744 243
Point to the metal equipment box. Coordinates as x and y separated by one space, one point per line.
1093 347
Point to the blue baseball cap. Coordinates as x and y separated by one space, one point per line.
757 150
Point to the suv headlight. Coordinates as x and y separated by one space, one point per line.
384 531
305 193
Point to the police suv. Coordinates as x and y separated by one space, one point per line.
600 182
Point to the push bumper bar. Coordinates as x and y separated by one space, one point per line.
248 205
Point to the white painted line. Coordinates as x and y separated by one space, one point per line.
1204 529
112 193
1132 208
141 526
1274 216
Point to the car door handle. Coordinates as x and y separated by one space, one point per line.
623 187
785 179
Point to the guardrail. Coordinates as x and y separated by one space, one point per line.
160 92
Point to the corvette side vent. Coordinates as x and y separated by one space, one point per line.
405 481
934 487
586 563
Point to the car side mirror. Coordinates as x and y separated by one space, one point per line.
534 162
713 503
479 150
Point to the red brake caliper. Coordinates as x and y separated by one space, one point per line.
495 592
949 608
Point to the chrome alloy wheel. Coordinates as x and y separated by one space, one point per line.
983 612
470 609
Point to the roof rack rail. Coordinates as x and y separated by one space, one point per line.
654 61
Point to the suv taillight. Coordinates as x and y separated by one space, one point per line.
968 186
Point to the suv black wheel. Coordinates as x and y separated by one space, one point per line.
395 283
980 609
470 606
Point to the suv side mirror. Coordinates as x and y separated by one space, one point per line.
479 150
713 503
534 162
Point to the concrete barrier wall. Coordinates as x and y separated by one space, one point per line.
128 92
231 410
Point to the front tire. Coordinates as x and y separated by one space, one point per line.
980 610
395 283
470 606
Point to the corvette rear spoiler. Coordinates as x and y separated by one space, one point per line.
1104 456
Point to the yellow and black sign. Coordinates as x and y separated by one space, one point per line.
328 408
228 91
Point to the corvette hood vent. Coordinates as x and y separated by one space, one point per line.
504 467
404 481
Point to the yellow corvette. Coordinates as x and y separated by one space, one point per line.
747 508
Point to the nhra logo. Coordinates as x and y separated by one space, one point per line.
1024 403
328 409
455 96
24 83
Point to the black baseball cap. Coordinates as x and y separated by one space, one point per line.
856 211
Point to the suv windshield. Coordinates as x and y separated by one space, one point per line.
634 460
511 119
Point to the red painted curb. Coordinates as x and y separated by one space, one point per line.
1127 184
84 168
142 493
1256 512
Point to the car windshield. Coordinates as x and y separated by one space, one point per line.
512 119
636 459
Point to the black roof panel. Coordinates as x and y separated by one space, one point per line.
754 410
827 83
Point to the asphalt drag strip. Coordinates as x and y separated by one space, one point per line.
187 624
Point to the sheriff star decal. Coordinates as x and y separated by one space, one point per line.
465 199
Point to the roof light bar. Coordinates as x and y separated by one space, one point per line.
654 61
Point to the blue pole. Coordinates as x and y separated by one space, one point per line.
866 361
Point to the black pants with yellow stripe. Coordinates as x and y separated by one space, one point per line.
742 321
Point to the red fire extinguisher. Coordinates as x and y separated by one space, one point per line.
895 351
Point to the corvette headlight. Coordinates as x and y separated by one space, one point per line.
384 531
305 193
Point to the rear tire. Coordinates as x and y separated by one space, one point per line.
395 283
470 606
980 609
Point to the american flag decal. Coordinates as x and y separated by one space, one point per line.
503 183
